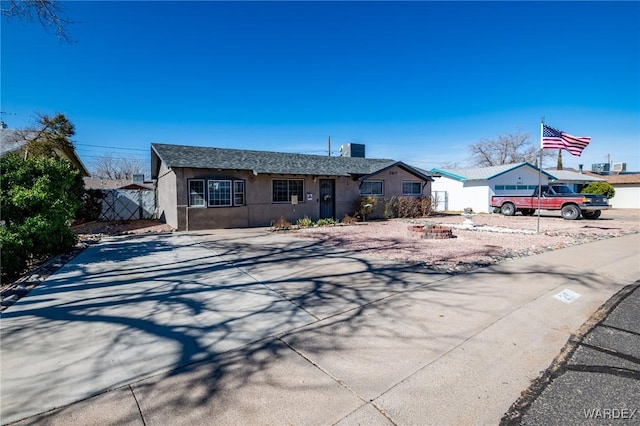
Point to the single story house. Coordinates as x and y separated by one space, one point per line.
458 189
16 140
106 184
573 179
208 188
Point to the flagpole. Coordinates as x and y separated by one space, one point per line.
540 170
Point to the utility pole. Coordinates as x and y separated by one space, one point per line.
329 145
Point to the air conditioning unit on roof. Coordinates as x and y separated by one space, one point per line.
600 168
619 167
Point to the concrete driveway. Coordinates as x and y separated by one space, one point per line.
247 326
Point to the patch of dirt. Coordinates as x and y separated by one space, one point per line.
490 238
120 228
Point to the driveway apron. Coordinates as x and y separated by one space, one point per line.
127 308
135 306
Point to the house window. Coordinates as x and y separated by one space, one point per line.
411 188
499 187
371 187
238 193
196 193
219 193
284 189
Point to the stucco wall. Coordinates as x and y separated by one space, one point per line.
259 209
627 197
392 186
393 178
453 189
166 196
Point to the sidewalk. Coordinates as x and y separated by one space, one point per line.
289 332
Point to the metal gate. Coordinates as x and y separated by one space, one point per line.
127 204
440 200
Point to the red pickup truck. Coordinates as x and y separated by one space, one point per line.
554 197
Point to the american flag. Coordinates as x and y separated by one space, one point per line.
557 139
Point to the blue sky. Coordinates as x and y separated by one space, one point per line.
417 81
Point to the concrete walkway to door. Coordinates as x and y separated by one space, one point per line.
247 326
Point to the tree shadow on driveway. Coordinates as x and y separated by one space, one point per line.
214 315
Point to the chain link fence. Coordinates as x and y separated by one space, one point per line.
127 204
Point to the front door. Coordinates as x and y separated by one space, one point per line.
327 203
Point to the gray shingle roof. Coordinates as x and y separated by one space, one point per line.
266 162
573 176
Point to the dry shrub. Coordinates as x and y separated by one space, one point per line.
281 224
348 220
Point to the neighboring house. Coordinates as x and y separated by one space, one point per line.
205 188
99 183
457 189
574 180
627 186
15 141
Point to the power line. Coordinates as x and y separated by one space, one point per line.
111 147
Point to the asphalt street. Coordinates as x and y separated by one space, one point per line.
596 378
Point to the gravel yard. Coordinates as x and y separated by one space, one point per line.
491 239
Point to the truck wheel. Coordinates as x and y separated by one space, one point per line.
570 212
508 209
592 215
528 212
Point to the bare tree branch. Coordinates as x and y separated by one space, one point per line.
49 13
505 149
108 166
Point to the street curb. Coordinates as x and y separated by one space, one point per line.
517 411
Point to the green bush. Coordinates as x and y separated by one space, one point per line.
91 205
15 251
601 188
326 222
305 222
40 197
47 236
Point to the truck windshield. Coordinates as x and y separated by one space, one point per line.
562 189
